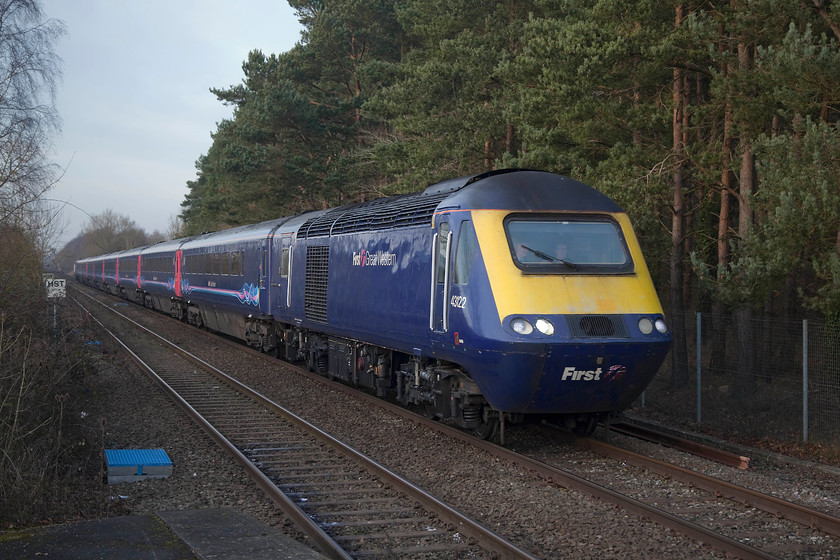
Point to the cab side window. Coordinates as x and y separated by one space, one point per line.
443 242
284 263
467 248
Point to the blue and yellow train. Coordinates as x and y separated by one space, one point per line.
495 296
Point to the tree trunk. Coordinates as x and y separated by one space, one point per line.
679 351
718 322
744 375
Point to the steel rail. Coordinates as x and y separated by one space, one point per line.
550 474
770 504
485 537
699 449
320 539
554 475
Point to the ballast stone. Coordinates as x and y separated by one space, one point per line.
132 465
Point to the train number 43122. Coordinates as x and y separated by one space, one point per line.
459 302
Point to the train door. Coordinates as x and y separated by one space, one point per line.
265 277
179 256
439 312
137 279
282 256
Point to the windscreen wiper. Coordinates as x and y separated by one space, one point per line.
547 257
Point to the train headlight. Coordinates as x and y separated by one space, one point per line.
521 326
661 325
646 325
545 327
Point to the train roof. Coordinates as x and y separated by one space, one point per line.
164 246
527 190
507 189
252 231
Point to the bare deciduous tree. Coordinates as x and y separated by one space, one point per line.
110 231
29 72
31 363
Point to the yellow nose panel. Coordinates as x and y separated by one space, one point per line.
555 294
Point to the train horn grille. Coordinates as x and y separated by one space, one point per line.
590 326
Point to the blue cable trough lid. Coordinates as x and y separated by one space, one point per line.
132 465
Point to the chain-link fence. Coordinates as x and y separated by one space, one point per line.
753 376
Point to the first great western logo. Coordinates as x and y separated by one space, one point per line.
374 258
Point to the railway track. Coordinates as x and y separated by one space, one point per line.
682 444
347 504
737 537
775 506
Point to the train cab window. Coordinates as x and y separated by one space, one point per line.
570 245
284 263
467 248
443 242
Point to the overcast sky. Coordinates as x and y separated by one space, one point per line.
135 101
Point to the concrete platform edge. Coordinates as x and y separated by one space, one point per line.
218 533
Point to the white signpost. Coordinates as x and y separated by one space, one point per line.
56 288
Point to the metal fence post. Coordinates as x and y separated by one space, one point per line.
699 368
804 380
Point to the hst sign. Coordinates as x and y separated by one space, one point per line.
56 287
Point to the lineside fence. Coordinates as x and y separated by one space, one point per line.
753 376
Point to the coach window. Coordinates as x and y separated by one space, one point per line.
467 245
226 264
234 264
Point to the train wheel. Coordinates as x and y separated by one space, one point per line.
585 425
487 429
428 410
